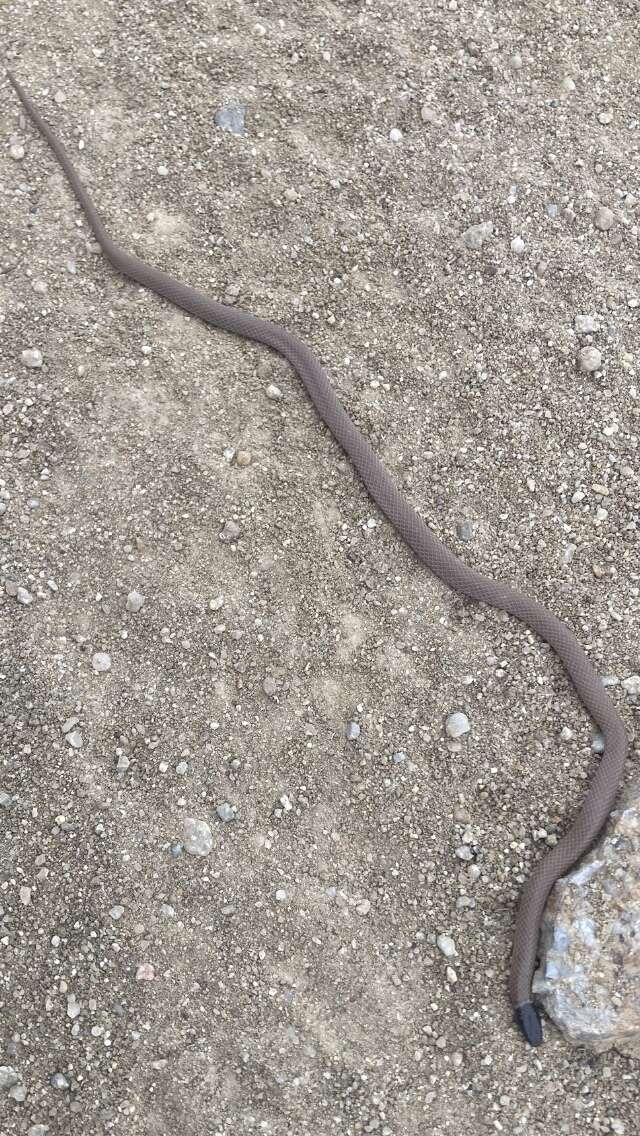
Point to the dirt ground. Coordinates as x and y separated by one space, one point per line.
290 981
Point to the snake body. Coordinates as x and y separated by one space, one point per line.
600 797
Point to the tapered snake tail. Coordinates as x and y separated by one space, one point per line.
430 551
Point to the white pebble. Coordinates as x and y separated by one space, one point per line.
197 836
31 357
281 895
16 152
273 392
23 596
25 895
101 662
517 246
632 685
447 946
589 359
586 325
145 972
395 135
134 601
457 724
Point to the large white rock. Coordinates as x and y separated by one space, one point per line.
589 977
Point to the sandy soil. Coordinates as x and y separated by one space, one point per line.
290 981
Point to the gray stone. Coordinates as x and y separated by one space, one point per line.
226 812
465 530
230 118
8 1077
475 236
603 218
134 601
197 836
589 977
101 662
352 731
230 532
59 1081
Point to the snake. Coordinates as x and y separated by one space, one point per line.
602 791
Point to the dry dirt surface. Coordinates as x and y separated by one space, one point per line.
295 979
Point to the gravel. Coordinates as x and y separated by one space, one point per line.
460 366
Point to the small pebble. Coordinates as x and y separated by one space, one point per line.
197 837
280 895
632 685
230 532
465 530
427 114
230 118
226 812
457 724
463 852
273 392
101 662
605 117
270 686
517 246
23 596
475 236
16 151
134 601
586 325
364 907
145 972
8 1077
117 911
603 218
447 946
73 1008
597 742
395 135
25 895
589 359
74 739
568 84
352 731
243 458
59 1081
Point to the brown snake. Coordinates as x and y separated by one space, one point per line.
602 792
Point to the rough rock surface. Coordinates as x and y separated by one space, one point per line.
590 973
